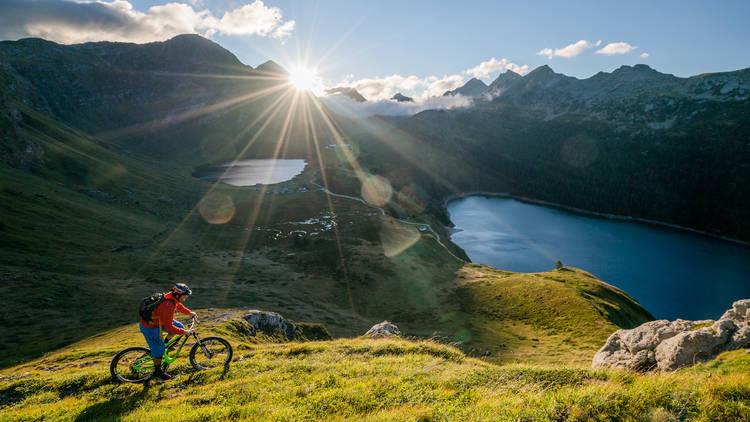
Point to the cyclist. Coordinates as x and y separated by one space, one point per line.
163 318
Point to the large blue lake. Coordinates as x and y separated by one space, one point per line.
672 273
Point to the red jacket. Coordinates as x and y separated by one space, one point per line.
164 313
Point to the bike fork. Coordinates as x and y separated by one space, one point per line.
203 347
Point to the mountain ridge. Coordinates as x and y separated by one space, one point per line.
472 88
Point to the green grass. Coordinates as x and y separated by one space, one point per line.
560 316
358 379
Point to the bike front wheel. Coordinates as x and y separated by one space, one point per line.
211 352
133 364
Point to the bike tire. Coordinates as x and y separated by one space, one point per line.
131 354
222 353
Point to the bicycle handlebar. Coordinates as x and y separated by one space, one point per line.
193 322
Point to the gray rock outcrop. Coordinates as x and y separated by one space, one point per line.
669 345
383 330
270 323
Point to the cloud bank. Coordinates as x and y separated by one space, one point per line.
483 70
76 21
424 89
569 51
347 107
377 89
616 48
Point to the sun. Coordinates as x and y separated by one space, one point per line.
305 79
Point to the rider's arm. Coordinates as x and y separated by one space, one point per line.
182 309
166 316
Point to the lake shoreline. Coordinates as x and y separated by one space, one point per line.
252 172
462 195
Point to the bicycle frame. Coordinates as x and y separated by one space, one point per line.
147 362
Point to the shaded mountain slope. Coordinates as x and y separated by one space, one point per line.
183 99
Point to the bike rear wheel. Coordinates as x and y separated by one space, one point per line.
211 352
133 364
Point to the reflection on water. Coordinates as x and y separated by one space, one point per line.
251 172
672 273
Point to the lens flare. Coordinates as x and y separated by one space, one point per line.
579 151
397 238
376 190
346 152
409 201
217 208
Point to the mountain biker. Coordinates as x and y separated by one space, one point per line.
163 318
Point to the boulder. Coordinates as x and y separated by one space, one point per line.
383 330
270 323
668 345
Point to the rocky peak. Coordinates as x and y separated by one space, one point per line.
508 75
541 70
637 72
503 82
543 74
271 67
401 98
472 88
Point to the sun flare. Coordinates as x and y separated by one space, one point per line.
305 79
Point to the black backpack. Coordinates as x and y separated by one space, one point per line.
148 305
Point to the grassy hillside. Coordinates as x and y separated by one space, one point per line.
357 379
561 316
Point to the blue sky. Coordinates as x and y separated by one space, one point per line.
376 39
427 37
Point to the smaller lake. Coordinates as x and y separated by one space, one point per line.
672 273
251 172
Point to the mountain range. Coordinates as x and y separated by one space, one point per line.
543 87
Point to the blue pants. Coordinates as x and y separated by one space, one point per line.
153 338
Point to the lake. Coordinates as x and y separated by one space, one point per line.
672 273
251 172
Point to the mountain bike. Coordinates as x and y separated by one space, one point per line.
135 364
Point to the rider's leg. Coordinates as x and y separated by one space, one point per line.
153 338
170 336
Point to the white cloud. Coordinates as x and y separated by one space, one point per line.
75 21
570 50
483 70
425 89
644 55
378 89
437 86
616 48
255 18
347 107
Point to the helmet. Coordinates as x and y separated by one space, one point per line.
181 289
